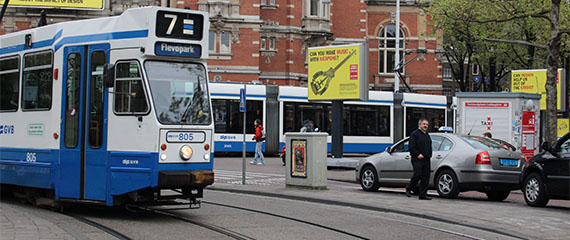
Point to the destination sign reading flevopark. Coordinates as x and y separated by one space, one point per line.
177 49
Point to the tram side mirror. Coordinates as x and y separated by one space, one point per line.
109 75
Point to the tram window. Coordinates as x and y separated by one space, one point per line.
37 78
296 113
96 99
366 120
228 118
179 92
130 97
436 118
72 100
9 84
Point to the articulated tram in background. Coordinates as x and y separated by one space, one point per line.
369 126
110 110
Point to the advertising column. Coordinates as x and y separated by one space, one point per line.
528 129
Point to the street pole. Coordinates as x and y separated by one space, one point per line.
397 56
243 162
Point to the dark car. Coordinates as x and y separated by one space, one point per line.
546 175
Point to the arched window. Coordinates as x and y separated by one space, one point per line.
387 48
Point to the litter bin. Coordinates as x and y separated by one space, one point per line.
306 160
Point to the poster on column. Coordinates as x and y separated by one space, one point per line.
299 158
528 134
482 116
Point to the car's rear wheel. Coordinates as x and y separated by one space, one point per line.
447 184
497 195
369 179
535 191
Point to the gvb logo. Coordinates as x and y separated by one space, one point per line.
6 129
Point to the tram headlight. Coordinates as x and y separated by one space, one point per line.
185 152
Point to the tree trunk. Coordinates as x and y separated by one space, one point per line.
553 58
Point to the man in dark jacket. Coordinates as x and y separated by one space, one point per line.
420 149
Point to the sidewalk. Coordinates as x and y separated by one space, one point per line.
19 221
502 217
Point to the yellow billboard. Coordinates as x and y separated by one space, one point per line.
74 4
562 126
338 72
533 81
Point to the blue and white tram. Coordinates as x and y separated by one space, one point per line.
228 119
109 110
431 107
368 125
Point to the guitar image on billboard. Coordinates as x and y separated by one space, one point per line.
322 79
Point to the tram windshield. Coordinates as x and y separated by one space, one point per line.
179 92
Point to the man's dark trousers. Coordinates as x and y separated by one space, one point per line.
422 170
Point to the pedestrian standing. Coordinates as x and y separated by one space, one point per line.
420 149
487 135
258 142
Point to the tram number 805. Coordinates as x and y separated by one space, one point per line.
185 137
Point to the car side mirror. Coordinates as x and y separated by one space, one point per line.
546 146
388 149
109 75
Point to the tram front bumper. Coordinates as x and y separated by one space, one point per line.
185 178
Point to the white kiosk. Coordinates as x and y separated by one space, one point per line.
512 117
306 160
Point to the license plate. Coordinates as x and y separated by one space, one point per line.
509 162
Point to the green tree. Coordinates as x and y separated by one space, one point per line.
506 35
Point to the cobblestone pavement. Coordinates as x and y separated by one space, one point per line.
19 221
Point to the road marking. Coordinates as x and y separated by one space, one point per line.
235 177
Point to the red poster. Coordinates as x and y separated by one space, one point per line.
299 158
528 128
354 72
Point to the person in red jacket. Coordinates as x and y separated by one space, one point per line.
282 155
259 142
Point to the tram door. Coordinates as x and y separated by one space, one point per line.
83 155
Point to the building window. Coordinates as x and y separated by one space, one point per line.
263 43
447 72
212 42
447 91
269 2
475 69
318 8
267 43
387 48
219 42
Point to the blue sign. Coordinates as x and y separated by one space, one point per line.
486 79
177 49
476 79
242 100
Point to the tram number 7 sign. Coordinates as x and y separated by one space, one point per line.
179 25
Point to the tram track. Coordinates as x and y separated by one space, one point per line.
381 209
99 226
215 228
288 218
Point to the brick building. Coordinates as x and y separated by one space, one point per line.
266 41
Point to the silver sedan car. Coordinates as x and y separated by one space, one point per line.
458 163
